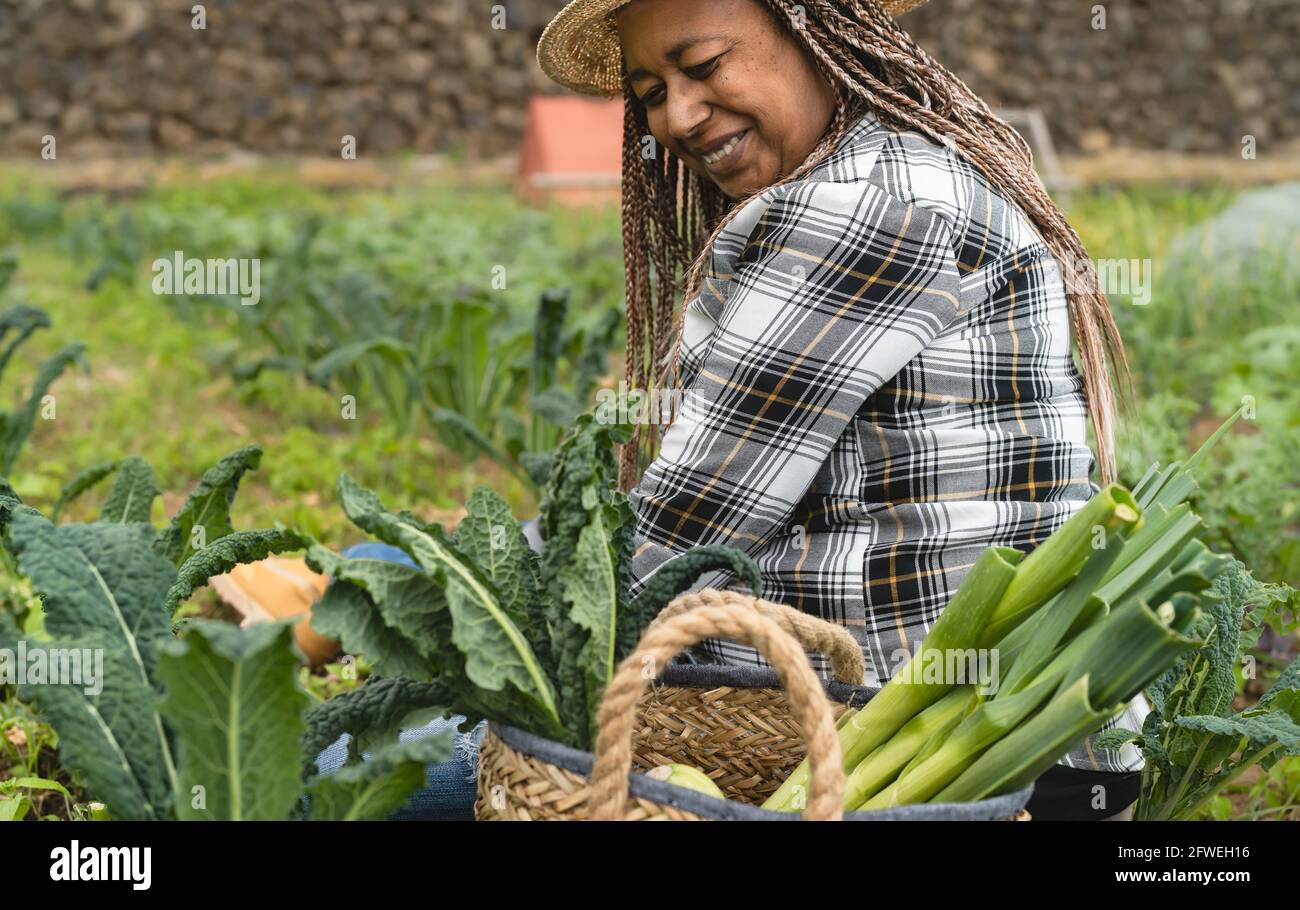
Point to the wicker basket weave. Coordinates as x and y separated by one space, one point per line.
746 739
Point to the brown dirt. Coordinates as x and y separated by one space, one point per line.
44 802
1120 166
126 176
1205 425
1248 778
129 176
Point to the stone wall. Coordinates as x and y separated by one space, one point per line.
130 77
1183 75
273 76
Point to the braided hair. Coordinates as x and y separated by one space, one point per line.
671 215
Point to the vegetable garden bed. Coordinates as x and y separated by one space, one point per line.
481 626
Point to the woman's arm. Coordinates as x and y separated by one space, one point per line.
837 288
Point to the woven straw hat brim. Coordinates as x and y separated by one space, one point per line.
580 49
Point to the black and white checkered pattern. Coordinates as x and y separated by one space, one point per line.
877 385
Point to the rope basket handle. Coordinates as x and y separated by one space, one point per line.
814 634
661 642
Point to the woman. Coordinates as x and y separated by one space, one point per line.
874 366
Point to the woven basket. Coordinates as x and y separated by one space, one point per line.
746 737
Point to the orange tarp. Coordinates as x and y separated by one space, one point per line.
572 150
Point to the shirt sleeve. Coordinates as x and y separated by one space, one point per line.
839 285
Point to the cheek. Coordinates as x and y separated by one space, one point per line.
746 91
764 99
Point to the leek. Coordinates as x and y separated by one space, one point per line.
1074 630
1135 639
989 723
1059 616
905 694
1128 649
884 764
1028 751
1059 558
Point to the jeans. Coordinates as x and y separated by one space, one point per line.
449 788
448 793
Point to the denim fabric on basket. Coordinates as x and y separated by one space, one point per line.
448 794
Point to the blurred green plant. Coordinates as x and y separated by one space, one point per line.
24 321
1212 339
417 308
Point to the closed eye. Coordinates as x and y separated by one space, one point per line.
699 71
703 70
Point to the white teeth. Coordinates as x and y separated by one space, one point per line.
725 150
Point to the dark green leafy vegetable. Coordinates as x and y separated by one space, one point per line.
16 426
346 357
205 727
1191 735
131 497
222 555
491 537
374 789
497 656
103 587
345 612
23 319
85 480
236 707
584 618
682 572
208 506
381 706
498 632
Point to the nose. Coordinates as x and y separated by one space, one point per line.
687 109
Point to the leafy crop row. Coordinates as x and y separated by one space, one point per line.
199 719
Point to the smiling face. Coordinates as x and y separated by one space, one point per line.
724 88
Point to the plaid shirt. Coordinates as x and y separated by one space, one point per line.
877 384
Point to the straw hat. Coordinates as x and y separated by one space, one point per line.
579 48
